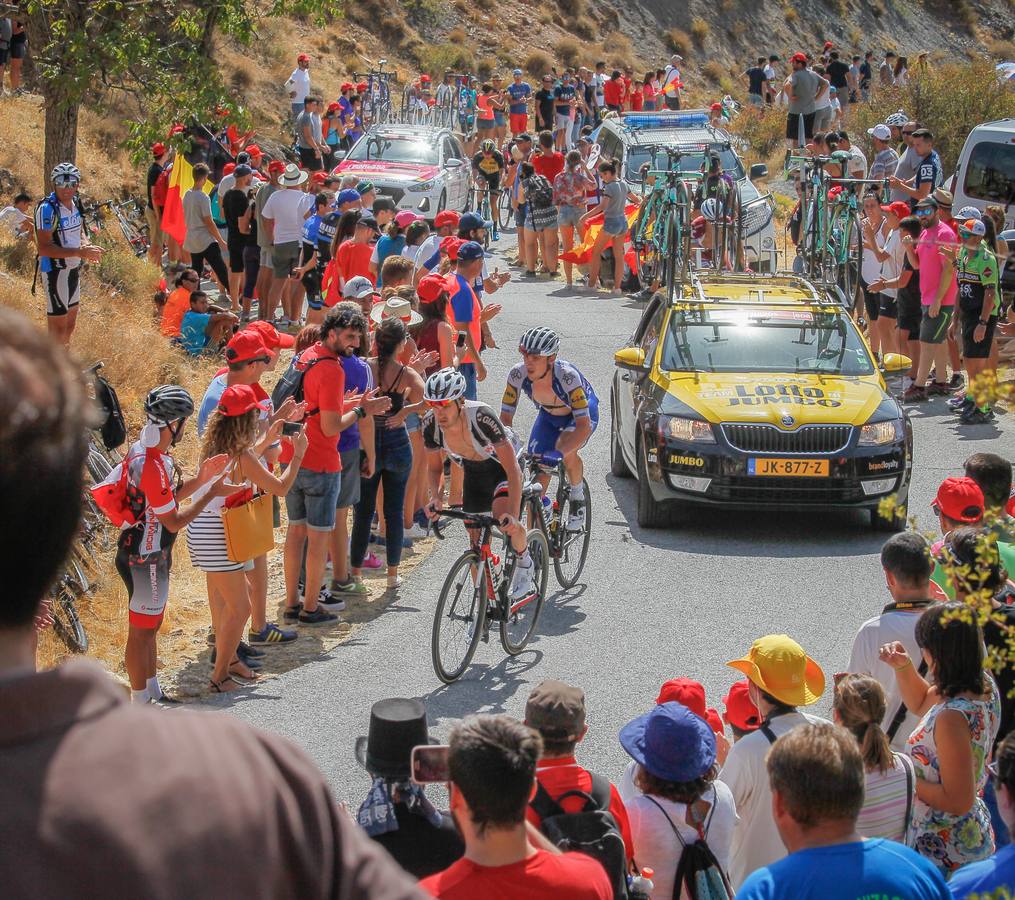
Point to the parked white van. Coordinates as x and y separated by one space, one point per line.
985 175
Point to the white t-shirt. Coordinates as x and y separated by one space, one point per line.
899 626
756 840
427 249
225 185
672 76
891 268
857 166
299 82
599 79
287 208
770 75
13 218
870 266
658 848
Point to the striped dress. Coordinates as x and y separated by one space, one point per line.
885 800
206 538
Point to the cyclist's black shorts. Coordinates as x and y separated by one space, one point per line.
485 482
492 179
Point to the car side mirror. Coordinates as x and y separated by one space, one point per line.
454 163
630 358
759 170
893 363
338 155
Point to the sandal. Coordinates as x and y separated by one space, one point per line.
219 687
234 672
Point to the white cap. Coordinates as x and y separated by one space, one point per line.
968 212
881 132
357 287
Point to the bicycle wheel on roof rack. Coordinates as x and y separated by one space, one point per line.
672 265
851 256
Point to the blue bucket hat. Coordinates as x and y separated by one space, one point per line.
670 742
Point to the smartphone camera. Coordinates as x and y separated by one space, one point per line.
430 764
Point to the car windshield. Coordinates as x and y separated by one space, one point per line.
990 174
764 340
692 162
392 148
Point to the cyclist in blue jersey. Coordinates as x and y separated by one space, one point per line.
568 410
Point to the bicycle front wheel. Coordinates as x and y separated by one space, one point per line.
851 258
569 562
519 623
67 623
504 211
458 619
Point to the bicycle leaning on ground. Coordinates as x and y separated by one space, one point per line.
477 592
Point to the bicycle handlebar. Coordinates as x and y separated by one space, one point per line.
475 520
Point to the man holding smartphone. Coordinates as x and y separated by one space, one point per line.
492 770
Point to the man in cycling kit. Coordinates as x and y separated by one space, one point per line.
144 550
472 435
488 167
568 410
63 243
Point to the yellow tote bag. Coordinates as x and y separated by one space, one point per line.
248 529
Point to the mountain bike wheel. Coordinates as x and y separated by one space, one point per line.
574 545
459 617
67 623
852 257
519 624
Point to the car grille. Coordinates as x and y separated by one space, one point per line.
395 194
769 439
790 491
755 216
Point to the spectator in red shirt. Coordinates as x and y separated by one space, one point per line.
557 712
312 500
546 161
613 92
353 256
492 764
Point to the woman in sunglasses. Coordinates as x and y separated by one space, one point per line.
473 436
178 303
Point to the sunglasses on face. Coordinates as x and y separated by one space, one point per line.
923 212
65 181
439 404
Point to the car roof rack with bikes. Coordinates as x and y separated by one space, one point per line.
758 289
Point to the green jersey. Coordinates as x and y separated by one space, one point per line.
977 271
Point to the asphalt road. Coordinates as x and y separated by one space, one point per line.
653 605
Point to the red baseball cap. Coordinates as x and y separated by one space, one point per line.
333 106
715 106
276 166
446 217
239 399
829 45
346 86
450 245
740 711
228 168
959 499
303 58
430 288
319 177
898 209
798 58
424 77
361 87
245 346
691 694
158 148
255 151
270 336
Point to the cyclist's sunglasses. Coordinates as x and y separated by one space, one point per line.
439 404
62 181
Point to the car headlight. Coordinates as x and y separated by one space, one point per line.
690 430
421 186
877 433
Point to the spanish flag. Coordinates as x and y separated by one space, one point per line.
582 253
181 180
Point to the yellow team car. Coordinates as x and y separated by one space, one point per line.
757 391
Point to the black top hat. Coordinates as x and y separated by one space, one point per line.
397 724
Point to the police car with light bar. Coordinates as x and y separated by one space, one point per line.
758 391
631 137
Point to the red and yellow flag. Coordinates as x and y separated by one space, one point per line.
181 180
582 252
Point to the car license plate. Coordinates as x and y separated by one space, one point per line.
808 468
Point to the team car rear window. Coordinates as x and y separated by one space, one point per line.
990 174
738 340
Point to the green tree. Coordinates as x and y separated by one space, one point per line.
159 51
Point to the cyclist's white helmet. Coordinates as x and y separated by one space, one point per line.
898 119
539 342
65 173
445 384
168 403
488 146
710 209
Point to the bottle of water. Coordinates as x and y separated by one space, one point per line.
640 887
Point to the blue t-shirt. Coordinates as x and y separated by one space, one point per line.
860 870
387 246
311 229
66 228
461 301
357 378
988 879
192 331
210 402
518 94
563 94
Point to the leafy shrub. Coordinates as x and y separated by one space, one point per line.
699 30
678 41
966 13
122 270
617 47
458 35
791 15
714 71
575 9
447 55
538 63
583 28
569 52
17 256
948 98
762 129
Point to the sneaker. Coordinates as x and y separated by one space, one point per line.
976 416
939 389
962 408
166 702
248 651
318 617
371 561
330 601
292 613
271 634
914 394
394 582
523 582
353 588
416 533
956 382
958 402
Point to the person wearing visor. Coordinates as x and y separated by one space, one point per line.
63 245
474 438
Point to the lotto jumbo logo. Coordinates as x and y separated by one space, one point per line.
768 394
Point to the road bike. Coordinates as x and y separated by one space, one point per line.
480 203
375 108
568 549
477 593
129 217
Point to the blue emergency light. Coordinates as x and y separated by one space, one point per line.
677 120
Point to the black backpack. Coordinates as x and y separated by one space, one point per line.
592 831
114 427
291 382
540 192
698 871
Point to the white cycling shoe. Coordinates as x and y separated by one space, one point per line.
523 583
